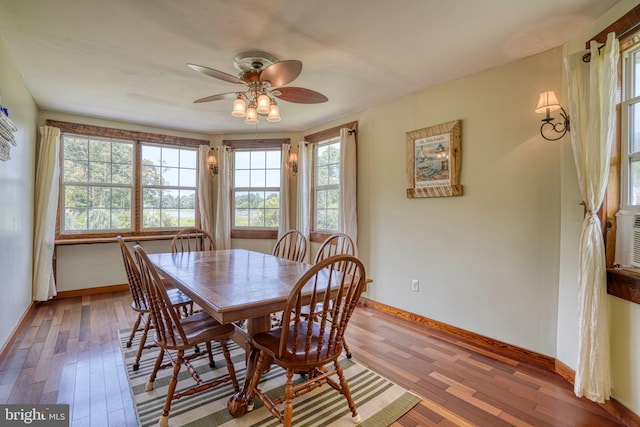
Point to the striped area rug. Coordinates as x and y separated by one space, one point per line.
379 401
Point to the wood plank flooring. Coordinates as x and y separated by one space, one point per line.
68 352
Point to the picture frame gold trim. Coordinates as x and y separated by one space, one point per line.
434 160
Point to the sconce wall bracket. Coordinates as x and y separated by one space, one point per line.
560 128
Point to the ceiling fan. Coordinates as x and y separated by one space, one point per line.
262 78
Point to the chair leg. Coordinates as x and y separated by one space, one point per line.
136 325
255 380
212 363
346 348
288 395
230 368
156 366
347 394
143 341
164 418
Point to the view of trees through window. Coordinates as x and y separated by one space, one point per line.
256 188
169 177
633 117
98 176
97 184
327 185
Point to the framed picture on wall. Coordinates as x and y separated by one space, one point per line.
434 161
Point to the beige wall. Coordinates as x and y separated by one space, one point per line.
16 200
487 261
624 316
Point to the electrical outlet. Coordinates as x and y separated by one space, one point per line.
415 285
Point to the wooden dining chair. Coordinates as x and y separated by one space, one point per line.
308 344
292 246
175 333
192 239
140 305
337 244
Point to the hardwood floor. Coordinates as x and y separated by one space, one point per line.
68 352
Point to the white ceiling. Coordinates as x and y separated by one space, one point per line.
126 59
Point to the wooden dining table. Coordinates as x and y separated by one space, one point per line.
234 285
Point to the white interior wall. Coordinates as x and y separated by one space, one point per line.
16 200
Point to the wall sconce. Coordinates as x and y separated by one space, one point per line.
547 103
213 163
293 161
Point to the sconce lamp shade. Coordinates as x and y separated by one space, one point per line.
547 102
293 162
213 163
552 129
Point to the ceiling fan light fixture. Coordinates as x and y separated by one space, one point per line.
262 77
239 107
274 112
263 103
252 115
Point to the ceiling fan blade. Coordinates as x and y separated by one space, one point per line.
300 95
216 74
282 72
217 97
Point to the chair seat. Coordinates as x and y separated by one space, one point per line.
198 328
270 343
178 298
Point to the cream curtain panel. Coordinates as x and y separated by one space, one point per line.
304 191
348 219
592 89
285 222
205 199
46 204
223 202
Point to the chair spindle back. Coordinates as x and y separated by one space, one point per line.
133 277
292 246
335 285
336 244
192 239
165 320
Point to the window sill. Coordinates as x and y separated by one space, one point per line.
254 234
624 283
91 240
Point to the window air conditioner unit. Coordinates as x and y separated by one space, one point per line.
628 239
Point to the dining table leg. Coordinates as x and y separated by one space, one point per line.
239 403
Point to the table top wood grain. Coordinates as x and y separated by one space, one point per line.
234 284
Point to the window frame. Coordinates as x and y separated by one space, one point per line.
137 139
251 145
620 282
628 100
315 187
319 236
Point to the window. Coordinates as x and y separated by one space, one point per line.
97 184
131 183
168 182
325 181
256 188
326 185
630 167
